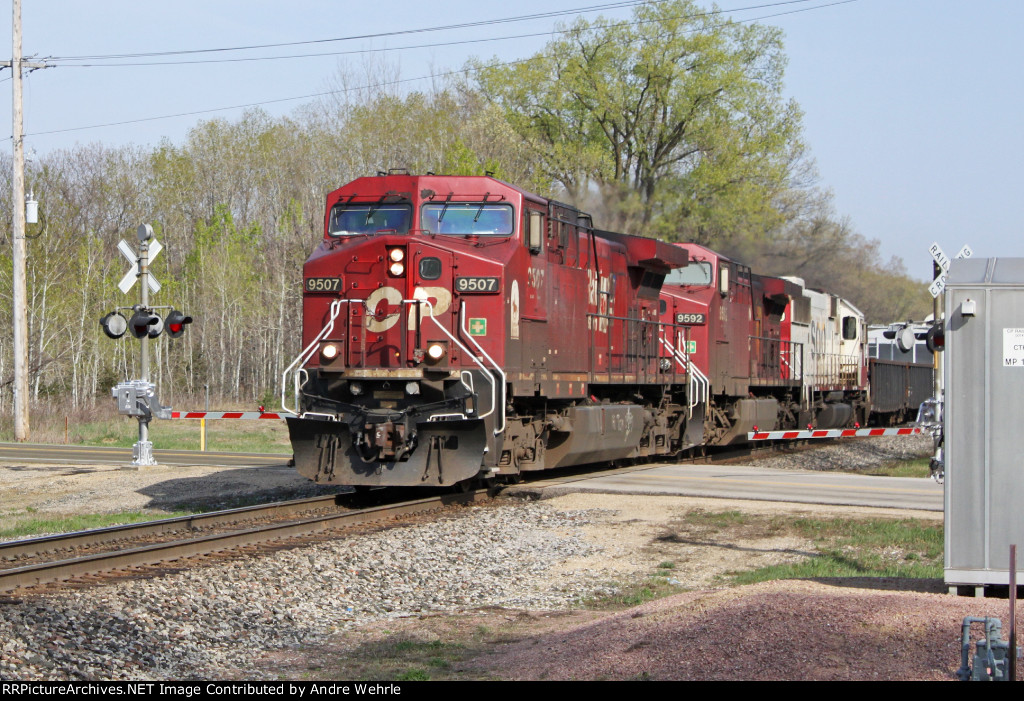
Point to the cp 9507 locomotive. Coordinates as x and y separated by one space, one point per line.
457 327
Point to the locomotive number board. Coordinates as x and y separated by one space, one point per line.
323 284
476 284
691 319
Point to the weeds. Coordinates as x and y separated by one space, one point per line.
920 467
103 426
861 548
18 526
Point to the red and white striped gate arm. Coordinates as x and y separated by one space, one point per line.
280 415
830 433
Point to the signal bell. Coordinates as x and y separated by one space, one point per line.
175 323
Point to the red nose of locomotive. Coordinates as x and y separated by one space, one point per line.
383 303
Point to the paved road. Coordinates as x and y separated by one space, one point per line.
715 481
73 454
745 482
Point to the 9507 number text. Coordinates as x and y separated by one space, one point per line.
476 284
323 284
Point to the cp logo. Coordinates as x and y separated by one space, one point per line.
439 298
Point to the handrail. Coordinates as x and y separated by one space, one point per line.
462 347
307 353
699 384
494 394
310 350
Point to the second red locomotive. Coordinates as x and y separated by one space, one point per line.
457 327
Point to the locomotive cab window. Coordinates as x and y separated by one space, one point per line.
535 237
468 219
430 268
696 273
352 219
849 328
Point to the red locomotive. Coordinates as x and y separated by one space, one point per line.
459 327
765 350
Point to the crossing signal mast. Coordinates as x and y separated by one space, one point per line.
138 398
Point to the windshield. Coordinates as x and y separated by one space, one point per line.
349 219
693 274
463 218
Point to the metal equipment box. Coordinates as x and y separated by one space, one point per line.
984 420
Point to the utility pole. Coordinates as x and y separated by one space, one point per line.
21 427
19 249
18 245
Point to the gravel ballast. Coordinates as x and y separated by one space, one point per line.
221 621
207 623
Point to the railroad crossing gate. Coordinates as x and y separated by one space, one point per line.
984 443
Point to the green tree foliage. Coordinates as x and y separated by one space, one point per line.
829 255
671 125
675 120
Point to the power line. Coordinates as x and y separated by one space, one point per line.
71 61
463 25
392 49
397 81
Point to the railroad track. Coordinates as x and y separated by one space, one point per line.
53 560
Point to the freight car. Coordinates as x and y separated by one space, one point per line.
457 327
900 370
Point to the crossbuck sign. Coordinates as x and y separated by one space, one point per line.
128 281
940 258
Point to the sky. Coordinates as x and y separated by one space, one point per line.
912 108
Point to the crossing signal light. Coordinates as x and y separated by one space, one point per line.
114 325
936 339
144 323
175 323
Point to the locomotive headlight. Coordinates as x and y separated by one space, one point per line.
356 388
412 388
329 351
397 255
665 364
435 351
397 269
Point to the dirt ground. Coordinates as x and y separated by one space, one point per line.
33 489
839 629
783 630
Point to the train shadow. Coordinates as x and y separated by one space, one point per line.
921 586
237 487
676 539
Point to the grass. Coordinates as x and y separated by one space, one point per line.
655 585
235 436
904 468
905 548
401 658
877 547
102 426
437 648
28 524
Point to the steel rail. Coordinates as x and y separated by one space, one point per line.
82 539
31 575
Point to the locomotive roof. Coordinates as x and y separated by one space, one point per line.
642 252
406 185
651 254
